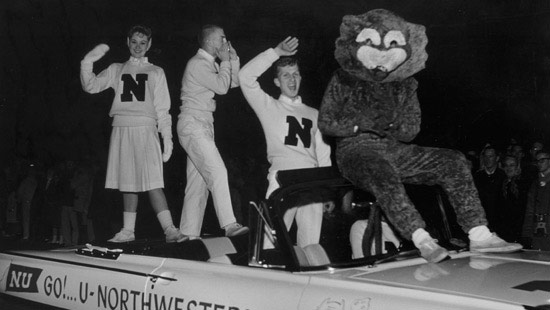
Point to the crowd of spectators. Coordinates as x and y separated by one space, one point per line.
66 203
507 180
48 203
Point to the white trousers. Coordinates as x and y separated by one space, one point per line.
309 218
205 172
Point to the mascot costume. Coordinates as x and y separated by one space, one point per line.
371 107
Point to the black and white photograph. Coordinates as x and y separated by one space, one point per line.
274 155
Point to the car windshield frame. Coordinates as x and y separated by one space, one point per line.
267 218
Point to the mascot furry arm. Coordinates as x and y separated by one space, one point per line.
374 91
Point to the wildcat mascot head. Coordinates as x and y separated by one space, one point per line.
379 46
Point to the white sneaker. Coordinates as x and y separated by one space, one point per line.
124 235
494 244
174 235
432 252
235 229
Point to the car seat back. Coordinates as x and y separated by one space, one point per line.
218 248
311 255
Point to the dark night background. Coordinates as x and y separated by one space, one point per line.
486 78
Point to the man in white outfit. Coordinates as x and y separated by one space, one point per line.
203 78
290 129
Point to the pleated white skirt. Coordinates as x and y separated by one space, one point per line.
135 159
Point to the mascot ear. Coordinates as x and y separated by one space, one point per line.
418 41
350 27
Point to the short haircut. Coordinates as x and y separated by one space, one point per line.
516 146
140 29
205 32
537 142
489 147
283 62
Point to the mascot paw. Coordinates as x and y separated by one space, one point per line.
96 54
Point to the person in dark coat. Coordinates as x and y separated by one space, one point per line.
488 180
512 200
536 225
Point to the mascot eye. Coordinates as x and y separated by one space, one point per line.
369 35
394 38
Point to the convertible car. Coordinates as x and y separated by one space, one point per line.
265 270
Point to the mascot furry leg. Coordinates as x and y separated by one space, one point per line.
371 106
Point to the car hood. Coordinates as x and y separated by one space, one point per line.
520 278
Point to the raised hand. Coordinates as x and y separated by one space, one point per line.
223 52
287 47
232 52
96 54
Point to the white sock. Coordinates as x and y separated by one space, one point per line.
165 219
129 221
228 225
479 233
420 235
